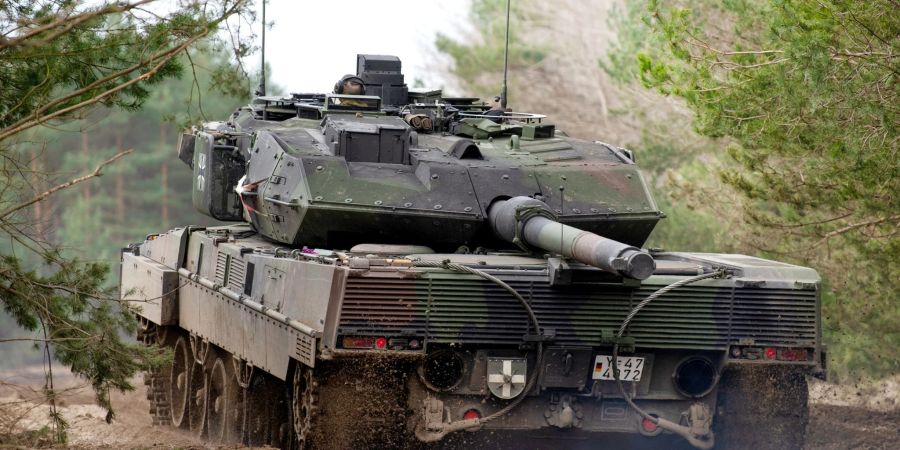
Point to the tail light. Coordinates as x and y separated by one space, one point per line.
379 343
771 353
471 414
358 342
648 425
793 354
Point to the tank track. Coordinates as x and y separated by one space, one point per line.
156 380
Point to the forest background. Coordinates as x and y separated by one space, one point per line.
688 90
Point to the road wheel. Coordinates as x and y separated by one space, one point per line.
197 385
178 387
260 420
762 408
217 402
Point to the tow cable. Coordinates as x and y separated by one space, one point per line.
435 434
702 442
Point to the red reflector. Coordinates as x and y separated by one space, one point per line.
770 353
380 342
793 354
358 342
471 414
648 425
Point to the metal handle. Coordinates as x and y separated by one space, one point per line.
292 203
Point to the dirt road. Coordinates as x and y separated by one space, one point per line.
842 417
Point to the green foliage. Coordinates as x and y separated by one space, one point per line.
67 307
479 64
68 66
804 94
61 56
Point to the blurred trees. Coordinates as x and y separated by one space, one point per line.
69 66
804 97
769 128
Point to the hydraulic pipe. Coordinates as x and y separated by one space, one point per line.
530 223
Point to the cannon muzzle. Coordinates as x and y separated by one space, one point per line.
530 223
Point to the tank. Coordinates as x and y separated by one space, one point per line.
405 266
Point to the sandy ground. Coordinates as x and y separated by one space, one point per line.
864 416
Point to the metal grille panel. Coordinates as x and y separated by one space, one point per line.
221 268
236 272
460 309
305 349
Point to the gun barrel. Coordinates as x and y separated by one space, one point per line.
529 222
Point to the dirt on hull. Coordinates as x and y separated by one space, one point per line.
841 417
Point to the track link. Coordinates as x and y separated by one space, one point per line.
156 380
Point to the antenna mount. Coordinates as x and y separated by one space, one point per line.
261 89
505 60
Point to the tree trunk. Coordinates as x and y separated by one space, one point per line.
164 179
86 187
39 207
120 189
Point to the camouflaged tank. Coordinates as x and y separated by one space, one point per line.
406 266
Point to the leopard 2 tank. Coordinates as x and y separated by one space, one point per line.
404 266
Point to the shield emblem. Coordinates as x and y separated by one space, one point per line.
506 377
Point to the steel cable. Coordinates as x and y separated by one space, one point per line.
621 332
531 315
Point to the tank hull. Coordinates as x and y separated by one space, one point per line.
378 322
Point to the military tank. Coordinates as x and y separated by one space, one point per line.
407 268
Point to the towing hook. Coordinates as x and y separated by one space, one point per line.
698 433
426 435
433 428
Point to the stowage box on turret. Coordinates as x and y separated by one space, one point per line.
406 266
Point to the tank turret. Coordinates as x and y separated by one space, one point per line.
336 170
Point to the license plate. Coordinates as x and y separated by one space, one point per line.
630 368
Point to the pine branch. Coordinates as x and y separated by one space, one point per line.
855 226
65 23
34 121
163 57
96 173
